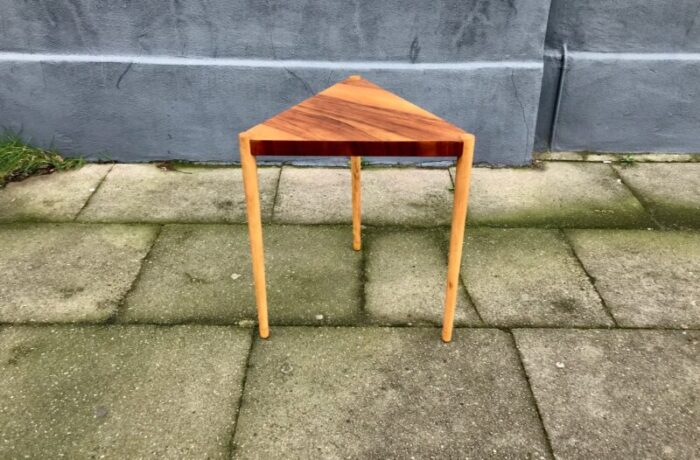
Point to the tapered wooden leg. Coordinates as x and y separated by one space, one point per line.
356 166
252 200
459 218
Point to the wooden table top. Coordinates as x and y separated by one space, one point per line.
356 118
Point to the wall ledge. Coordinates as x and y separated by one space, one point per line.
266 63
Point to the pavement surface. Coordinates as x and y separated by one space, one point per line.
127 316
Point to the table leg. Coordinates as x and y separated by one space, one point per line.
356 163
252 199
459 218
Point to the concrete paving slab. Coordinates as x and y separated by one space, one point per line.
146 193
313 196
671 191
203 273
520 277
56 197
68 272
647 278
390 196
406 271
556 194
617 158
120 392
616 394
386 393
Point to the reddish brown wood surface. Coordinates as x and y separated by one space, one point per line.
356 118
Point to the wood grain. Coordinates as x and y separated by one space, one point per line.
252 200
459 220
356 168
356 118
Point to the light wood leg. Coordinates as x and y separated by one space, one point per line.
459 218
252 199
356 163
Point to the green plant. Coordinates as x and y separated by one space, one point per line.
627 159
19 160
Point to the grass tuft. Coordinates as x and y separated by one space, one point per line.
19 160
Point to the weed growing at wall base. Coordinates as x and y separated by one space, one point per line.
19 160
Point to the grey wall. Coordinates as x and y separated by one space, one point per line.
138 81
443 31
631 80
194 111
177 79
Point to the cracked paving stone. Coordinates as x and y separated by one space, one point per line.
616 394
386 393
528 277
671 190
390 196
68 272
556 194
146 193
406 275
53 197
647 278
203 273
120 392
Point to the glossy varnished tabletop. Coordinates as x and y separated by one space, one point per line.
356 118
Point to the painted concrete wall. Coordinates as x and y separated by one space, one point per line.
150 111
631 77
177 79
390 30
138 81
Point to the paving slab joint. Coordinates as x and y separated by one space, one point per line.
463 281
591 279
120 307
521 361
274 198
244 379
471 299
638 197
97 188
363 276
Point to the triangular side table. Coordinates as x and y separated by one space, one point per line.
357 118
